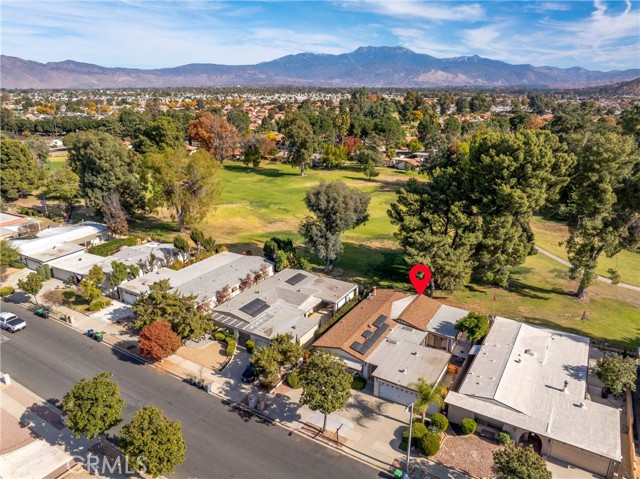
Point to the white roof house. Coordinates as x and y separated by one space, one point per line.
532 380
53 243
281 304
203 279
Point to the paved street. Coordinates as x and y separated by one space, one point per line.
48 358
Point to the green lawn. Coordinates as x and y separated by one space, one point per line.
256 205
543 294
550 233
56 161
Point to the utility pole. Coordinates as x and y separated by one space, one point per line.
409 409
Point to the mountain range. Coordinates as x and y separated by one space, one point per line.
365 66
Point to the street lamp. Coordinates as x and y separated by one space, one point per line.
409 409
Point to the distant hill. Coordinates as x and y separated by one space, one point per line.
366 66
627 88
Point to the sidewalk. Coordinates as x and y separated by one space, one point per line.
368 429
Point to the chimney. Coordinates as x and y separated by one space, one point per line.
566 385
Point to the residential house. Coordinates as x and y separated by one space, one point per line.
14 226
206 279
284 303
531 382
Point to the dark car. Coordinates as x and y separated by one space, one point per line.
249 375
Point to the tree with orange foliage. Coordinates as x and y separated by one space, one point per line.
158 341
216 134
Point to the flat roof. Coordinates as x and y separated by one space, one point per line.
81 264
444 321
403 363
204 278
49 237
519 376
305 294
53 252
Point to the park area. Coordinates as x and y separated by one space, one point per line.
257 204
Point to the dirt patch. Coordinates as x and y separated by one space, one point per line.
211 356
470 454
328 436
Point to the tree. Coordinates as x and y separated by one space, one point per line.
452 127
158 135
506 178
428 127
369 169
252 154
437 228
39 149
8 253
182 245
415 146
152 439
281 352
93 406
189 183
105 168
119 273
618 373
31 285
215 134
19 170
299 137
390 131
514 462
158 341
476 325
326 384
53 297
113 214
197 236
336 208
334 156
240 119
605 199
161 304
90 285
426 394
64 185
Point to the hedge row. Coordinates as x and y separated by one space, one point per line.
110 247
345 309
231 347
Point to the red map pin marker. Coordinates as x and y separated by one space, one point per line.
420 284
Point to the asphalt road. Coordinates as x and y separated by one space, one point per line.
222 441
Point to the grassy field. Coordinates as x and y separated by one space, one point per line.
57 160
550 233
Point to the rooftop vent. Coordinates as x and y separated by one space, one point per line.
582 405
530 352
415 353
403 370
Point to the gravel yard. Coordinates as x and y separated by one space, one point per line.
470 454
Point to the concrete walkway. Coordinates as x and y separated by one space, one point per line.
599 278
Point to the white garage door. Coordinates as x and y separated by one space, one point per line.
394 393
580 458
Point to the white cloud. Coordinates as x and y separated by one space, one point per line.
452 11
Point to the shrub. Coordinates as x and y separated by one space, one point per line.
219 336
18 265
430 444
6 291
440 421
417 431
504 438
98 304
110 247
468 426
231 347
358 383
228 338
251 346
293 379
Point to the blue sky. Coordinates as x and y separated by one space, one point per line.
601 35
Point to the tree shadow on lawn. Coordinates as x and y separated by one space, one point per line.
268 172
153 226
536 292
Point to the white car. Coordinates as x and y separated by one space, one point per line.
11 322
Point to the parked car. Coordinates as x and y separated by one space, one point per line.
11 322
249 375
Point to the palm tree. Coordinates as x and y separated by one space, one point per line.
426 394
